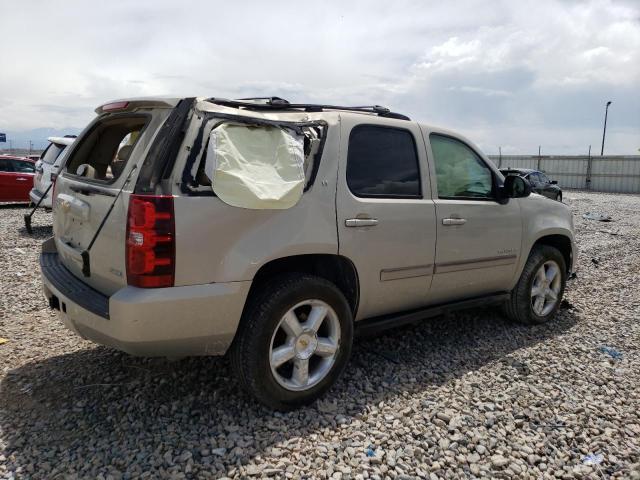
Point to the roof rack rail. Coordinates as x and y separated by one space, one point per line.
277 103
266 100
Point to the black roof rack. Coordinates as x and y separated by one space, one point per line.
277 103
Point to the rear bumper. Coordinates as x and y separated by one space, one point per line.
176 321
35 195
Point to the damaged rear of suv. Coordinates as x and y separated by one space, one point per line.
269 230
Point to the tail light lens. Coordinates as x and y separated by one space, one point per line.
150 249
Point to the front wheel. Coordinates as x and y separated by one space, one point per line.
559 197
537 295
294 341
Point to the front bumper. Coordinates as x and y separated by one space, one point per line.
35 195
172 322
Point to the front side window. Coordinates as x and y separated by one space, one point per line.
383 162
534 179
460 172
543 179
23 167
103 153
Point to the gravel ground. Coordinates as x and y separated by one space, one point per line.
466 396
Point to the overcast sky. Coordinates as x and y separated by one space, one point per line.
504 73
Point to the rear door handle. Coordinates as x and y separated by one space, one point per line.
454 221
361 222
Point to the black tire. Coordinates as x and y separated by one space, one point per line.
559 197
519 308
249 353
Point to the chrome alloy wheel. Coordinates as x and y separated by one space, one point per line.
304 345
546 288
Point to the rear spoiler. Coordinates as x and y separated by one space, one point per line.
132 104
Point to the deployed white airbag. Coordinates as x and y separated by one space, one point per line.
258 167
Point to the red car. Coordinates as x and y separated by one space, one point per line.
16 178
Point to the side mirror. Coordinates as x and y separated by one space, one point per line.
554 182
515 187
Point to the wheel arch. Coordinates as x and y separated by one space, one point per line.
337 269
562 243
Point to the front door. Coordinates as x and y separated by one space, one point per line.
24 173
386 217
479 239
7 181
546 187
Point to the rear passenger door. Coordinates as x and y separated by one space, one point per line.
386 218
479 239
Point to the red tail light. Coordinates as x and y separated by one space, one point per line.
151 249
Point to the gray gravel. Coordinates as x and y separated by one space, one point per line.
460 397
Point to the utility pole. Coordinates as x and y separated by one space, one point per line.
589 163
539 157
500 157
604 130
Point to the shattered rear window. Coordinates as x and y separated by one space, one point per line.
197 182
102 154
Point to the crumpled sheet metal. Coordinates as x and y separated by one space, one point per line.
256 167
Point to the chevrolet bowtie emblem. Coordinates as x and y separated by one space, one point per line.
65 205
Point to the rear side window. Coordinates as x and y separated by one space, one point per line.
460 172
383 162
52 153
102 154
23 167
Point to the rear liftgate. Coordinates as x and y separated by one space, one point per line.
161 154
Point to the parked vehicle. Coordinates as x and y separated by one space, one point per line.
35 157
47 168
16 178
273 231
538 180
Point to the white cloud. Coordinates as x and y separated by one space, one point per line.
502 72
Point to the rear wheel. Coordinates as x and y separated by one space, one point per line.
294 341
537 295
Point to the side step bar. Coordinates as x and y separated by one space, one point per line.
377 324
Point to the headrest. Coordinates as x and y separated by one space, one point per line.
124 153
86 170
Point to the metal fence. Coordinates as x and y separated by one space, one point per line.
613 173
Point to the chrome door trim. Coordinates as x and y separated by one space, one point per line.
406 272
475 263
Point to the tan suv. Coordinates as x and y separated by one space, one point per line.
274 231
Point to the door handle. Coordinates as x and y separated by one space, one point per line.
454 221
361 222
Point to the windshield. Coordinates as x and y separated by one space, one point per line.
52 153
